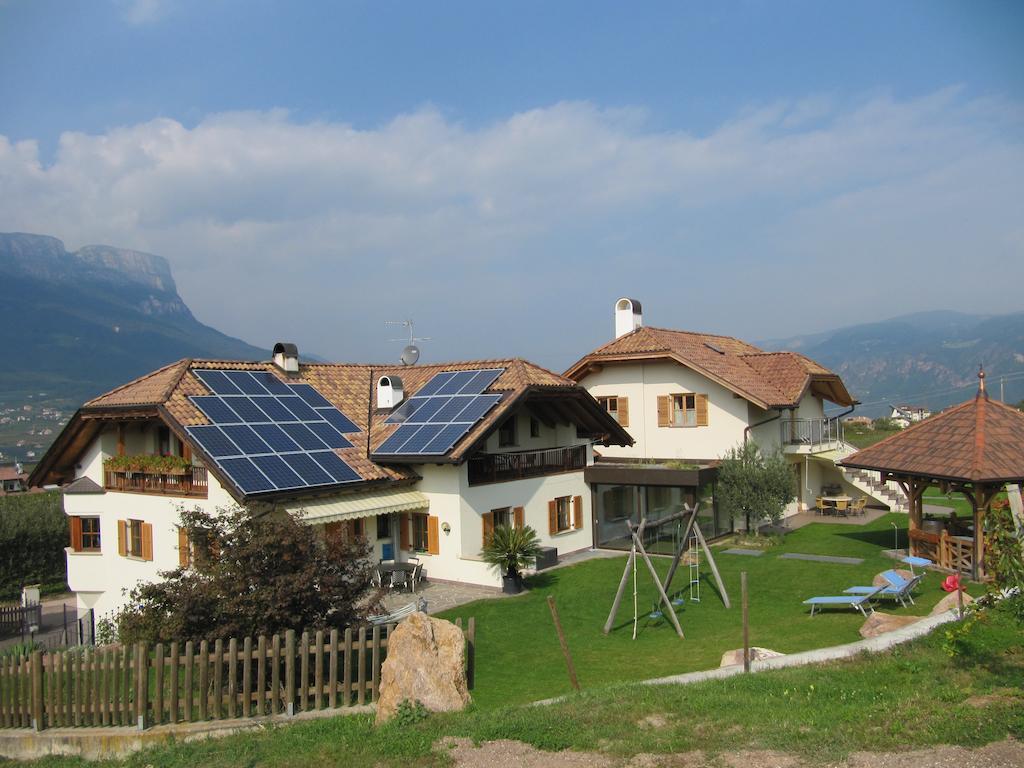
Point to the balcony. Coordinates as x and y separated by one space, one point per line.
499 467
191 484
811 435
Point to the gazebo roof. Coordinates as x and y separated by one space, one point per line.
980 441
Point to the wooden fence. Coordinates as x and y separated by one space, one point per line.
16 618
143 686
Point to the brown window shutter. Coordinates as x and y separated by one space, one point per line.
186 451
519 517
433 536
122 538
577 512
664 410
183 553
147 541
359 527
552 517
623 411
488 526
76 533
333 531
702 410
120 439
403 532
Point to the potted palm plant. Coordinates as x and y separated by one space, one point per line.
509 550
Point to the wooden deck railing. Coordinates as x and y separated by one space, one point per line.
496 467
191 484
955 553
185 682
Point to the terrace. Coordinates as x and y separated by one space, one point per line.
499 467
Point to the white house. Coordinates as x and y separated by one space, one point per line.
905 415
686 399
421 461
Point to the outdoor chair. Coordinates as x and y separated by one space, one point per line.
899 588
841 507
375 580
857 602
417 577
859 506
399 579
819 505
402 613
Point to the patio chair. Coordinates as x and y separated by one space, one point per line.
399 579
841 507
417 577
375 580
857 602
819 505
401 613
899 588
859 505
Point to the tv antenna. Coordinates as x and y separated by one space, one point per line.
411 353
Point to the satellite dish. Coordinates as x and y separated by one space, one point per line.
410 355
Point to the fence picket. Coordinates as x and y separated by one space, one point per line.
158 684
204 679
232 677
361 691
175 681
304 672
261 675
289 671
318 674
347 670
189 692
375 665
332 671
217 711
246 676
471 652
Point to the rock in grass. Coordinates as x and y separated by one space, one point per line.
879 623
426 662
949 602
756 654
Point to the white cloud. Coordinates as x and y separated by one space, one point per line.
515 237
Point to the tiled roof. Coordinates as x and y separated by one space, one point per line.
981 440
151 389
769 379
11 473
83 485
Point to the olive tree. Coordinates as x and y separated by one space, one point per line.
754 485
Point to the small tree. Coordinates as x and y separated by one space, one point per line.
251 574
509 550
754 485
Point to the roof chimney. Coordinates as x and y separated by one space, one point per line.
286 357
628 316
390 391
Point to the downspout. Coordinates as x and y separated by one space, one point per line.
748 428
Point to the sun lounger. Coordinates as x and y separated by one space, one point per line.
899 588
860 603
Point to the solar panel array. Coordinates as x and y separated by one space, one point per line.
441 413
269 435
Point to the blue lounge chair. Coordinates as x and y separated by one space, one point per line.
857 602
899 588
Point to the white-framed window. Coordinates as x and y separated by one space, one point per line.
684 410
610 404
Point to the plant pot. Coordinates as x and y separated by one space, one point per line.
512 584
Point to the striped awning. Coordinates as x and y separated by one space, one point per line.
356 505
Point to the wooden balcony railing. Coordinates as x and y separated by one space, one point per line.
497 467
955 553
191 484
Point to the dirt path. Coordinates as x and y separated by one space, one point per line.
515 754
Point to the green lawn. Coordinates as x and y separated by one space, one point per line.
519 659
862 437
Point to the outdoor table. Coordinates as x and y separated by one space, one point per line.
830 501
393 567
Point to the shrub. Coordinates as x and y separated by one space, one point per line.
754 485
33 535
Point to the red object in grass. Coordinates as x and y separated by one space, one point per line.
952 583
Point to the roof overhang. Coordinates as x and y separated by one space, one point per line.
352 506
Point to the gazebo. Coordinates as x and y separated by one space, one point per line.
974 448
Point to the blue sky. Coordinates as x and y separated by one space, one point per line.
499 171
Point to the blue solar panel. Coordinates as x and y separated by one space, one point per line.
332 437
447 412
213 441
273 384
218 383
431 387
273 436
298 407
246 476
311 396
300 434
336 467
338 420
245 382
419 440
446 438
430 406
406 410
216 410
455 383
400 435
279 473
477 407
247 409
243 436
273 408
311 472
481 381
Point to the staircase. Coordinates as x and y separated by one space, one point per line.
870 483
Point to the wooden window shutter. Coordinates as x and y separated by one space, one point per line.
519 517
186 451
120 439
183 553
702 410
664 410
488 526
577 512
334 531
553 517
403 532
122 538
76 534
623 411
433 536
147 541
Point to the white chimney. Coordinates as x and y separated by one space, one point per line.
628 316
286 357
390 391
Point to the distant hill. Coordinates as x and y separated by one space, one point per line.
929 358
73 325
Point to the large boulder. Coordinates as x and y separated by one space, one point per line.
879 623
756 654
949 602
426 662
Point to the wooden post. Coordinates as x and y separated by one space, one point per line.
261 675
141 684
158 684
218 679
289 672
204 679
332 671
189 664
361 675
246 676
565 645
318 670
275 674
669 608
175 681
746 624
623 581
232 677
37 691
346 672
304 672
471 653
375 664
